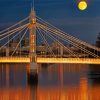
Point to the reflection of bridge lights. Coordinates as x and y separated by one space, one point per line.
82 5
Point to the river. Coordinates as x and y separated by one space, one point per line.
52 82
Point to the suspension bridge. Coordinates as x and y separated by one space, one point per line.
45 44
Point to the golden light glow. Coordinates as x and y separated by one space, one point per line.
14 60
50 60
82 5
68 60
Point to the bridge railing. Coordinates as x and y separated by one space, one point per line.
14 59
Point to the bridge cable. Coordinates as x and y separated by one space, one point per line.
68 50
44 39
71 37
14 31
54 39
66 47
19 41
80 47
71 41
12 26
12 38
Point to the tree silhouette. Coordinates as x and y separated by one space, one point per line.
98 40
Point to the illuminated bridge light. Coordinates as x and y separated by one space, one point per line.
50 60
14 60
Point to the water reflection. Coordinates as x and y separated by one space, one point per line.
63 82
53 82
13 82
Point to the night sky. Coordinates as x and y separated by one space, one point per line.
63 14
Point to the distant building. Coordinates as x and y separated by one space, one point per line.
41 49
13 44
25 42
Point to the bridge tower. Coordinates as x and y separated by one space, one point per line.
32 36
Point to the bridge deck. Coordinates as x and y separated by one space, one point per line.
50 60
14 60
69 60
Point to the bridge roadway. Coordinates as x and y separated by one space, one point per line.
50 60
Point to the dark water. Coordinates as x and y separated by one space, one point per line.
53 82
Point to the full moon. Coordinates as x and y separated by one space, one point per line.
82 5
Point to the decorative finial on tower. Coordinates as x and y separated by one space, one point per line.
32 6
32 14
